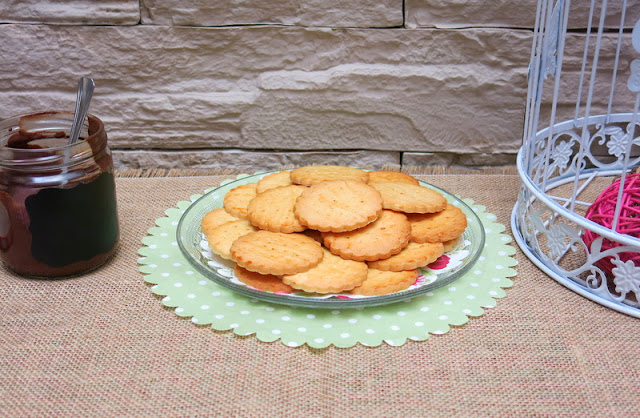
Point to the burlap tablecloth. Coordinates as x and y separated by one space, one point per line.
104 345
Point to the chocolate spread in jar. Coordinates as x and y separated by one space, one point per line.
57 218
24 139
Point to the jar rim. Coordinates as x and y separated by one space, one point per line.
90 117
14 156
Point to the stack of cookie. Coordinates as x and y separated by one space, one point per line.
333 229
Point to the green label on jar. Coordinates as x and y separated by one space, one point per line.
74 224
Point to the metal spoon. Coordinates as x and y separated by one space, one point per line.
85 91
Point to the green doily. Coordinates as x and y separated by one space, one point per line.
205 302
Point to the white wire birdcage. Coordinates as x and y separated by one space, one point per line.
576 215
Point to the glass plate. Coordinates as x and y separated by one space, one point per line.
444 271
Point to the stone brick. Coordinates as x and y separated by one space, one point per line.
476 160
504 13
431 108
249 161
428 159
331 13
279 88
75 12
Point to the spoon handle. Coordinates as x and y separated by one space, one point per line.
85 91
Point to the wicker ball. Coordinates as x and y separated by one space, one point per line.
602 212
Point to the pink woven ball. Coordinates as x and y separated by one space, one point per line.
602 212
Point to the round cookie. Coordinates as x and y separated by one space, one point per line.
276 253
394 176
237 200
413 256
451 244
332 275
221 237
280 178
382 238
438 227
380 282
215 218
272 209
338 206
314 174
266 282
409 198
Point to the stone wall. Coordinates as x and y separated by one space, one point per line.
258 85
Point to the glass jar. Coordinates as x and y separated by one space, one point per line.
58 213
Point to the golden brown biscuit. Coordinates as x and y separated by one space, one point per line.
382 238
394 176
266 282
438 227
221 237
413 256
451 244
215 218
280 178
237 200
338 206
314 174
409 198
381 282
332 275
276 253
272 209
